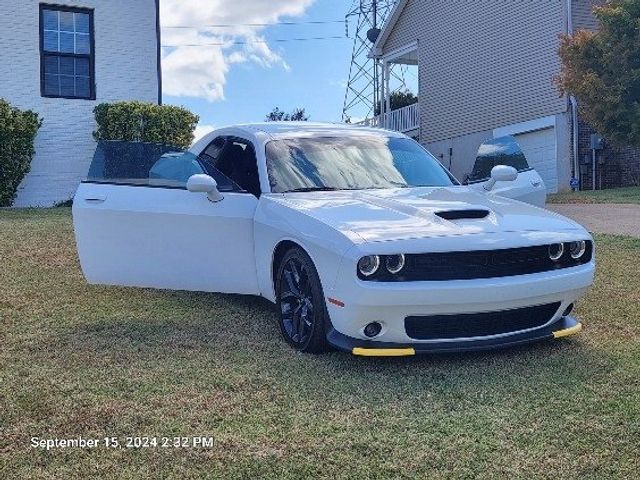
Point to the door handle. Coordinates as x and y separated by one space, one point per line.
535 183
95 199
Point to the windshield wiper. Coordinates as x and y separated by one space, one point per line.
313 189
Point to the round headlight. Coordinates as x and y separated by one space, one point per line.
577 249
556 251
369 265
395 263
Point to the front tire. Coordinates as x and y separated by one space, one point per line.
301 305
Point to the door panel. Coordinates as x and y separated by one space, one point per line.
540 149
165 238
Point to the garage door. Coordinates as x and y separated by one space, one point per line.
540 149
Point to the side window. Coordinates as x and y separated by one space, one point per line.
210 159
232 162
142 164
213 151
174 169
498 151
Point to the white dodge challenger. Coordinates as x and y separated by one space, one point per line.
362 239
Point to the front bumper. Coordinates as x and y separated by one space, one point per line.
563 327
359 303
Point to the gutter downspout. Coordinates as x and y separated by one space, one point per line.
574 105
574 121
159 52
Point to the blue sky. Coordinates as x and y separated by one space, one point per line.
242 83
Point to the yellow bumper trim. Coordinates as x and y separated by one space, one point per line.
567 331
383 352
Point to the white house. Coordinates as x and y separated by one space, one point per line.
61 59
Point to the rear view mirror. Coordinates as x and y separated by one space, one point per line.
201 183
501 173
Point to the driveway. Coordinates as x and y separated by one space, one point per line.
619 219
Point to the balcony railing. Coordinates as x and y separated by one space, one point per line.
402 120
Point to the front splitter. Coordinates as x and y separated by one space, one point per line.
564 327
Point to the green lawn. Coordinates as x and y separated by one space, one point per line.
96 361
613 195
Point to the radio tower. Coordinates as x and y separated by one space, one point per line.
363 86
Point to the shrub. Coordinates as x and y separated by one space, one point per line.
145 122
18 130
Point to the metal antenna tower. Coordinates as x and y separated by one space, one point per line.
363 87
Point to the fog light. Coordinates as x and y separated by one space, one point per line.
577 249
369 265
568 310
373 329
556 251
395 263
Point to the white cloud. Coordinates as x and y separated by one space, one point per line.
342 84
195 72
198 71
202 130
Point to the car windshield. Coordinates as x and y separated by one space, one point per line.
352 163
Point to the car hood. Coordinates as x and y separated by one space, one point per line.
383 215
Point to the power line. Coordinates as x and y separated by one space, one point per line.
248 42
232 25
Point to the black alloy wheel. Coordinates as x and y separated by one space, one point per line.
301 305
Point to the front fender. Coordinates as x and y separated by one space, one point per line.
276 222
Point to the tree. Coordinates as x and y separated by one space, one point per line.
602 70
277 115
399 99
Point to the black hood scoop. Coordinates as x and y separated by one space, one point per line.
471 214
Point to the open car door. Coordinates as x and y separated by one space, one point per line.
136 224
528 187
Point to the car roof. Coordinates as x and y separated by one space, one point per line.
280 130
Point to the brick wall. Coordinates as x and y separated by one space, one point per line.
126 69
616 167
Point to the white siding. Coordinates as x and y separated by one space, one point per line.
582 14
483 64
126 69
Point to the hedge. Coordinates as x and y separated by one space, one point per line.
145 122
18 130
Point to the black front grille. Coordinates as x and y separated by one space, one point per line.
479 324
479 264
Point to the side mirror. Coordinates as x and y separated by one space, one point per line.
500 173
201 183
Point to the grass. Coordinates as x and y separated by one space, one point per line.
97 361
613 195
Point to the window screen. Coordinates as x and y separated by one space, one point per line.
67 57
